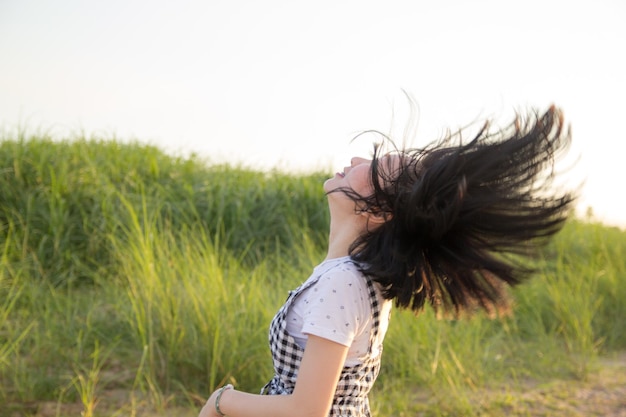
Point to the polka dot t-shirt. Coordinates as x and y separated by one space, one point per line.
338 308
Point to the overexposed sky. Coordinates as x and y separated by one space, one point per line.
288 83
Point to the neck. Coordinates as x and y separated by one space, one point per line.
342 235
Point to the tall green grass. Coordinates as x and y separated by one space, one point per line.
124 269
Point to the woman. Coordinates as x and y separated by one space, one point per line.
449 224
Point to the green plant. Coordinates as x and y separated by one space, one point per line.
127 269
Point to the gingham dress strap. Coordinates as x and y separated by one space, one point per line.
356 382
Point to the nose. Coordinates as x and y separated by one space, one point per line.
356 161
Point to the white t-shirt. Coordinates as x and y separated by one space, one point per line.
337 307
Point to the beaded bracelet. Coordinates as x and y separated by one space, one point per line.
217 399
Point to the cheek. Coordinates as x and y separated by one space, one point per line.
361 185
358 180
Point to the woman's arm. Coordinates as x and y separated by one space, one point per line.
312 396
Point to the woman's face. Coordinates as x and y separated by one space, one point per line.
358 177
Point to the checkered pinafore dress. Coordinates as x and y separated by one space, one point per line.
354 383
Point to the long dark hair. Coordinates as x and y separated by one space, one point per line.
463 218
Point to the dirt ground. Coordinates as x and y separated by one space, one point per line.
602 394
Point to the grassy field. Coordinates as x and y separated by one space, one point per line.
132 283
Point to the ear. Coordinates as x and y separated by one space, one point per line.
377 218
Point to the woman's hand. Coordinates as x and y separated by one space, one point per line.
209 407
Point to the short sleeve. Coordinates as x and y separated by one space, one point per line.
337 306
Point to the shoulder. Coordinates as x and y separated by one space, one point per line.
346 289
343 276
336 306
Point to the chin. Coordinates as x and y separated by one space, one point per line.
329 185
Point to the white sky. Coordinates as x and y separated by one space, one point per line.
288 83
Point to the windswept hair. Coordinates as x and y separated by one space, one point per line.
463 218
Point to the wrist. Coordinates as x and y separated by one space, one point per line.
218 398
